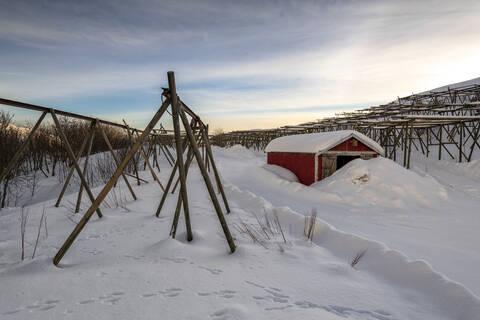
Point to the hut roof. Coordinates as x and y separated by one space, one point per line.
319 142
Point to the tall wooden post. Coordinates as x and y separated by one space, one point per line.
179 149
206 178
214 167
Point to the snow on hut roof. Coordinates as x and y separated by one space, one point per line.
319 142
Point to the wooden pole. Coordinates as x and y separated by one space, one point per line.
154 175
114 156
206 178
178 143
135 162
72 169
20 150
101 196
475 138
85 166
440 144
169 184
72 157
460 153
166 156
187 166
176 216
215 171
410 138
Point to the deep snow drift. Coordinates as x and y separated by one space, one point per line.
429 212
125 266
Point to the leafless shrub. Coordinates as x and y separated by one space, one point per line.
116 198
357 258
103 168
46 154
265 231
309 225
42 218
23 225
252 232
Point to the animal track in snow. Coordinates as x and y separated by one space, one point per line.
211 270
227 294
36 306
175 259
170 292
272 294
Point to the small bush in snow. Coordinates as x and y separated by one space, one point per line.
357 258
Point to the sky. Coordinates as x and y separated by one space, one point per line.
238 64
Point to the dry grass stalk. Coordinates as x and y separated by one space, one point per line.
39 230
23 224
357 258
309 226
265 231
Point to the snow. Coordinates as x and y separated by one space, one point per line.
125 266
436 221
281 172
475 81
318 142
383 183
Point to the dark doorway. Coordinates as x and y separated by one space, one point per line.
343 160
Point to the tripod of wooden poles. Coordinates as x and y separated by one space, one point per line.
195 135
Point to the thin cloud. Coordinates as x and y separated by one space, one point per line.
232 58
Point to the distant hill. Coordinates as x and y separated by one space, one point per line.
456 85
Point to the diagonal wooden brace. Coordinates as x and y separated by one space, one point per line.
206 178
20 150
72 169
72 157
101 196
114 156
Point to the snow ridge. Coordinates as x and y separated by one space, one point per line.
452 297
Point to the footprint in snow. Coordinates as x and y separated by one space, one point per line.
86 301
254 284
211 270
11 312
229 313
170 292
227 294
175 259
36 306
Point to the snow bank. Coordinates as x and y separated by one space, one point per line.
281 172
318 142
237 151
382 181
416 277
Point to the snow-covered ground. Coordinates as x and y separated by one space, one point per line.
429 212
125 266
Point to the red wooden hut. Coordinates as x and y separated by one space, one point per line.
315 156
